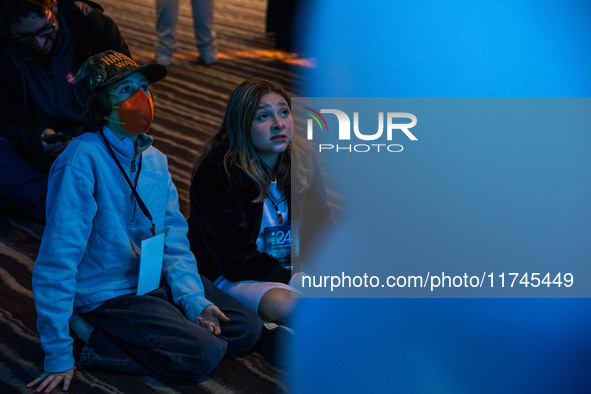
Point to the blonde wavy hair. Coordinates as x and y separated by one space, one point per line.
235 134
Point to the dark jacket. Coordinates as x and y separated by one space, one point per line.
224 223
90 32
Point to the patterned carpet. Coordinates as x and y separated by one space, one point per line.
189 106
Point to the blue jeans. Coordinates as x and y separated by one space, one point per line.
20 183
167 12
150 335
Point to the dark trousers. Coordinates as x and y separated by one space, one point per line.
150 335
20 182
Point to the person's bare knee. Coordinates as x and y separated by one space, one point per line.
276 305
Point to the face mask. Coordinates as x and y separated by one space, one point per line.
136 113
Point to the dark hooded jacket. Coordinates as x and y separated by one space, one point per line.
37 92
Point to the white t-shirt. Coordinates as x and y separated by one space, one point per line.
270 217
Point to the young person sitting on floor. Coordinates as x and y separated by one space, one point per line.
113 229
241 198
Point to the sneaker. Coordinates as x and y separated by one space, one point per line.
208 57
274 343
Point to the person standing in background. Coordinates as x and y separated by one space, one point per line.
167 12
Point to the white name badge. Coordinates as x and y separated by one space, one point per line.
150 264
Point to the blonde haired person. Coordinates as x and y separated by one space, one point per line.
241 190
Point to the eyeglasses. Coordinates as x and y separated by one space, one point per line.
25 38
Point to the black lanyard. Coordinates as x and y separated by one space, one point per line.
135 193
276 206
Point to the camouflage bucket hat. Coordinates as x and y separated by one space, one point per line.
107 68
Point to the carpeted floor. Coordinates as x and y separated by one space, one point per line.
189 106
21 357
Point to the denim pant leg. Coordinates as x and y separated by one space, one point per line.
104 351
167 12
244 329
20 183
203 25
155 334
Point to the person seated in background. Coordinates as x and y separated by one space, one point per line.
113 229
241 199
43 43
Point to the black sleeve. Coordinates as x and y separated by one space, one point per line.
314 214
226 221
14 121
